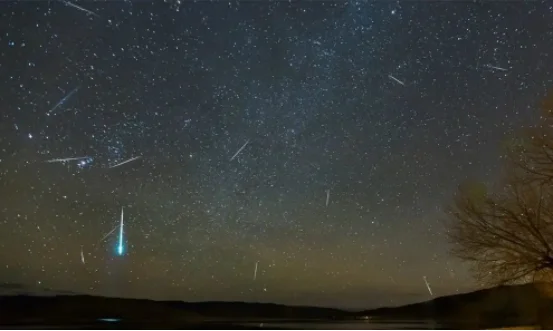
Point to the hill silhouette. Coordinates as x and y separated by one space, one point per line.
502 306
529 304
85 309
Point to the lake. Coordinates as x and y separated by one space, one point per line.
351 325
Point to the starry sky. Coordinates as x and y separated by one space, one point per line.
319 140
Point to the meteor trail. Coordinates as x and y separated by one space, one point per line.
427 285
80 8
67 159
107 235
120 246
495 67
397 80
255 271
62 101
241 148
126 161
82 255
327 196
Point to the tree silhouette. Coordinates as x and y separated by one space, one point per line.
506 237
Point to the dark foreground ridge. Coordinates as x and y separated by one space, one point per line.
522 305
529 304
84 311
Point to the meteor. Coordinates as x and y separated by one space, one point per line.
80 8
120 250
241 148
63 100
125 162
107 235
427 286
495 67
67 159
396 80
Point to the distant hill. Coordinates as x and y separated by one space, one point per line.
529 304
78 309
257 310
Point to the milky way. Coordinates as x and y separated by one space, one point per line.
317 141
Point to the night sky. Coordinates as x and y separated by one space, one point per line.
320 140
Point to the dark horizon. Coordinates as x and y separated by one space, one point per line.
23 290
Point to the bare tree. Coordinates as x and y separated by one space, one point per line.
507 237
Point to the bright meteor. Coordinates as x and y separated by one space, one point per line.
120 250
67 159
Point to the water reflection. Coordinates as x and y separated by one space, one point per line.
109 320
353 325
